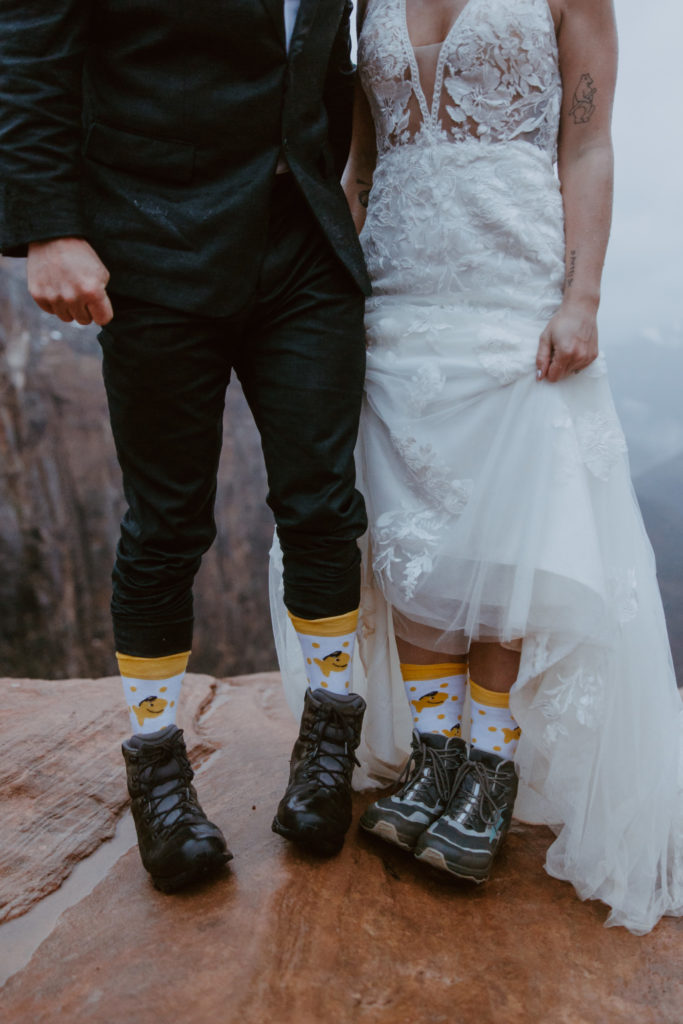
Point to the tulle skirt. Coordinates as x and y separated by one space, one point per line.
501 509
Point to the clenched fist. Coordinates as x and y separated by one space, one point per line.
66 277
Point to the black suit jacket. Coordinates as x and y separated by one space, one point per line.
153 127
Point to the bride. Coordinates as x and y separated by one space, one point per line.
506 557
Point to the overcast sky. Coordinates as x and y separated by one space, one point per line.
643 286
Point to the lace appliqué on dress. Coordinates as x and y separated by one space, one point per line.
504 358
593 440
388 332
432 476
578 693
601 443
497 77
424 387
503 84
408 538
623 592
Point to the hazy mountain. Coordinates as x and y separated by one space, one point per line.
61 502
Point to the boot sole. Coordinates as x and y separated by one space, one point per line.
386 831
308 840
201 869
437 860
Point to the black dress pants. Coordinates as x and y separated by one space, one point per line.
297 346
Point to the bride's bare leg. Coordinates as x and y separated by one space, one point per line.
436 688
465 839
411 654
435 685
493 666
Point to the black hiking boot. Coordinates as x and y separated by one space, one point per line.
427 781
177 843
316 808
466 838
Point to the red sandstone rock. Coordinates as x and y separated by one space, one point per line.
366 937
62 776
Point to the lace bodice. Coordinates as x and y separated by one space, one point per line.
495 78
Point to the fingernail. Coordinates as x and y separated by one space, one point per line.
539 374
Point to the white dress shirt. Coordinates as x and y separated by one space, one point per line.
291 10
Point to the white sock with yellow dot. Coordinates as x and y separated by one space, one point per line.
151 688
436 694
492 727
327 646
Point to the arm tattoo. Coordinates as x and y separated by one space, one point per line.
571 268
364 194
583 108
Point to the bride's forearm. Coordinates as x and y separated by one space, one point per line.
360 167
587 185
357 182
587 47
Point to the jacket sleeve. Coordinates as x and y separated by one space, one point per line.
42 47
339 90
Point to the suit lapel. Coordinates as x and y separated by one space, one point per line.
276 10
304 20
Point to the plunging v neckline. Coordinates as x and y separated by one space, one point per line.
427 114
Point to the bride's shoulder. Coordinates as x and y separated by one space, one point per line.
571 9
557 10
583 20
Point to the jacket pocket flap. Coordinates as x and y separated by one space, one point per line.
164 159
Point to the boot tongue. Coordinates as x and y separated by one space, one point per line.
434 739
160 756
160 738
345 701
344 726
487 758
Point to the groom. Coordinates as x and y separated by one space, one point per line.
172 170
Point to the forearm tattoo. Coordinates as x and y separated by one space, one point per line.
583 108
364 194
571 268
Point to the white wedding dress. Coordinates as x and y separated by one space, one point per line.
499 507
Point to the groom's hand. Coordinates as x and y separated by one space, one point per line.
66 277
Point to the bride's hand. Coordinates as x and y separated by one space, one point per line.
568 344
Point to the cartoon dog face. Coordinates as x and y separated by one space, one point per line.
337 661
149 707
429 700
455 731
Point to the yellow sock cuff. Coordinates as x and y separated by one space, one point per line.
152 668
491 698
418 673
336 625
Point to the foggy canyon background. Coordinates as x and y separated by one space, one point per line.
60 492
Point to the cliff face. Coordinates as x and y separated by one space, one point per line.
61 502
366 937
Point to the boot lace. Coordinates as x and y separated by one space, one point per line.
428 770
170 800
477 801
331 751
